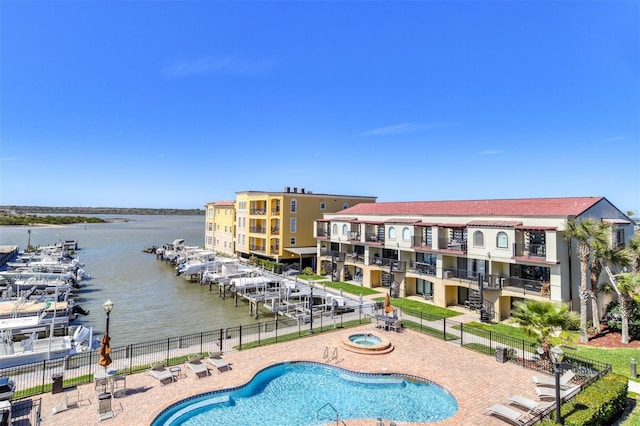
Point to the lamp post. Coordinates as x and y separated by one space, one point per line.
557 355
311 309
108 307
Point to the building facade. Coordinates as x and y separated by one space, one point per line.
279 226
482 254
220 227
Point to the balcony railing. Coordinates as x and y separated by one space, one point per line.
422 268
335 255
531 250
323 233
384 263
258 212
258 229
419 242
372 237
455 245
260 249
275 249
498 282
354 236
275 212
355 258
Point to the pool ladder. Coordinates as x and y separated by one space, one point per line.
333 357
328 404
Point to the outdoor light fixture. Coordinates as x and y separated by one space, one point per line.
108 307
557 356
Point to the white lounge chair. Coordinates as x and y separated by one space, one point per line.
551 381
529 404
218 362
158 371
507 413
195 364
549 394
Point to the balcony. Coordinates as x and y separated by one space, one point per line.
530 250
259 249
335 255
275 212
422 268
258 212
497 282
323 232
354 236
355 258
394 264
258 229
418 242
456 245
372 237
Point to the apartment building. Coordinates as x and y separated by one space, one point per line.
220 227
482 254
280 225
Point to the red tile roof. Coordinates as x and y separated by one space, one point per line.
494 223
570 206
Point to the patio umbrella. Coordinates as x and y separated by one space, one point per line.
104 351
387 304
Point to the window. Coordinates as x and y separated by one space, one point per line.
620 237
210 226
478 239
502 241
323 206
292 241
406 234
334 229
345 206
225 228
294 205
210 213
392 233
294 224
345 229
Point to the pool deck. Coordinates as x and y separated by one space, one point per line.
475 380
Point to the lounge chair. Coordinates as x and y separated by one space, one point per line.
531 405
507 413
159 371
551 381
194 362
549 394
218 362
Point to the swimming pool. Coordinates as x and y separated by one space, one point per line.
298 394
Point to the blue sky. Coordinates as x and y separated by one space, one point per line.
173 104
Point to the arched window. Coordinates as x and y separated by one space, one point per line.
345 229
323 205
406 234
294 205
345 206
478 239
502 240
334 229
392 233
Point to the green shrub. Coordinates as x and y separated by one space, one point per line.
599 404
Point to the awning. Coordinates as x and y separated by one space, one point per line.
303 251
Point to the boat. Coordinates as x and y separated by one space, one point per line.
34 349
7 388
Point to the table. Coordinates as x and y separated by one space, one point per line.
103 378
383 321
176 372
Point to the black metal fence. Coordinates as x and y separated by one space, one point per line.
37 378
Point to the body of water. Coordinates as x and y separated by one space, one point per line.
150 301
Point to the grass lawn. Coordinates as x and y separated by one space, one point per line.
425 308
348 288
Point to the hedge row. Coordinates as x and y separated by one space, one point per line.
599 404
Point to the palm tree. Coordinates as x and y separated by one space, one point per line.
627 287
634 246
542 320
601 252
587 232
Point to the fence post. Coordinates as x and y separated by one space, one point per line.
461 334
168 345
276 328
44 368
240 337
201 342
444 329
523 353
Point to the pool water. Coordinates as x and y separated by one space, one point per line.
365 339
298 394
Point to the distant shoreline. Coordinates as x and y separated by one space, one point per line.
100 210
